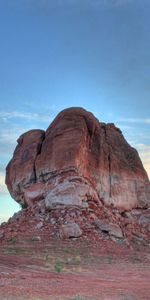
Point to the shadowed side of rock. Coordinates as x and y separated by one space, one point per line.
20 172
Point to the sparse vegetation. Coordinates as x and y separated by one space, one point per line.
58 266
78 298
72 262
13 250
12 240
110 258
135 259
128 298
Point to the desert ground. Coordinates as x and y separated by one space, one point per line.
75 269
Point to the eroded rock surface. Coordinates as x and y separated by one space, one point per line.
20 172
77 160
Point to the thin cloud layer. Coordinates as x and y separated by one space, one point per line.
24 115
135 120
144 152
9 136
8 139
14 123
3 188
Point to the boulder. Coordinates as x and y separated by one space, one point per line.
70 230
112 229
109 228
69 193
34 193
77 159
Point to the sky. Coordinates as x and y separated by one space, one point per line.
56 54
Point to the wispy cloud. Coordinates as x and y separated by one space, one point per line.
8 139
24 115
123 127
9 136
3 188
144 152
135 120
2 169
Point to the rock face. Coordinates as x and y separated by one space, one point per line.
20 172
77 159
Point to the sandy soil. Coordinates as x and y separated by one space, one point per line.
73 270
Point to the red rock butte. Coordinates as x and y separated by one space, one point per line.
77 160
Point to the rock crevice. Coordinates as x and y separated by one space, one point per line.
109 160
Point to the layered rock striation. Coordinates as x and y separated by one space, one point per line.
77 160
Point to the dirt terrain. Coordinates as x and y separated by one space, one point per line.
75 269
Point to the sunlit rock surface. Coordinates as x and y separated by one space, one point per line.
77 160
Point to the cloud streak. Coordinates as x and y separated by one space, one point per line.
2 169
144 152
8 139
135 120
24 116
3 188
9 136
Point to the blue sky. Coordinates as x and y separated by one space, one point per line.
61 53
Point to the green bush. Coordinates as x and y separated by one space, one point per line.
58 266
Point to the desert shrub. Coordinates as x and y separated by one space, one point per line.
58 266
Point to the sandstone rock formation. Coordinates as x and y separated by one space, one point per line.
77 159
